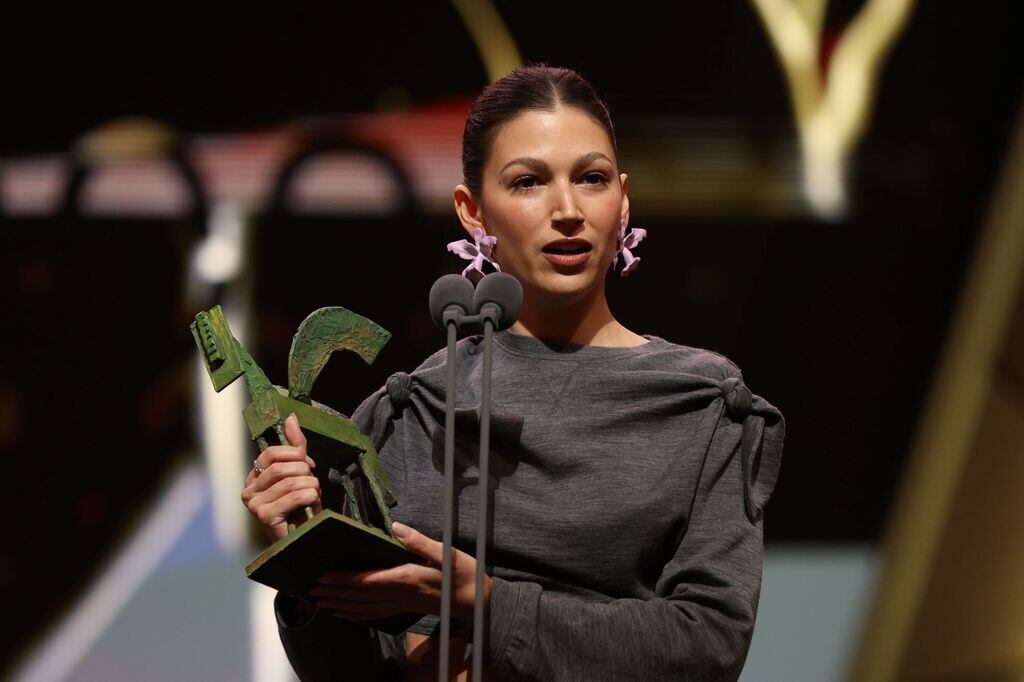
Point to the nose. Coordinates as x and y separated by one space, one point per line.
565 209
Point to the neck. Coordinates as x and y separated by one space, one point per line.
586 320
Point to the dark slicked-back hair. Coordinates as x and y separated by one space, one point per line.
536 87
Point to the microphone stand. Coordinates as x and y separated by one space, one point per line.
451 319
496 300
490 314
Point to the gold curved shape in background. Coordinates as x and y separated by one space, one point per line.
492 38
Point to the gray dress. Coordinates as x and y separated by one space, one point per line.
627 485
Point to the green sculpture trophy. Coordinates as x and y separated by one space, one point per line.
330 540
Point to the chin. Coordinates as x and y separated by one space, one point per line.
566 286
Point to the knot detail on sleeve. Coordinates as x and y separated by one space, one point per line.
737 397
398 390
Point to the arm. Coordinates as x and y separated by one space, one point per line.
422 653
322 647
700 624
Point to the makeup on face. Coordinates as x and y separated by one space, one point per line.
555 205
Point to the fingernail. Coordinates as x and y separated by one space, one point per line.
399 530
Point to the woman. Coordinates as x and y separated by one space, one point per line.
630 472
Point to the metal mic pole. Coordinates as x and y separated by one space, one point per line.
451 299
497 299
449 497
483 488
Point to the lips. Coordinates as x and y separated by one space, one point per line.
567 246
567 252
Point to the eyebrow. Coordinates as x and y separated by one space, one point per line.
538 165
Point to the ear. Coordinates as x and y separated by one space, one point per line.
624 210
469 210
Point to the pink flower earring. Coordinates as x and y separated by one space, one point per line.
481 250
627 242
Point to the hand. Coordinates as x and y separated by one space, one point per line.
285 484
407 588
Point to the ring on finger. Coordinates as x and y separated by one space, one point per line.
257 467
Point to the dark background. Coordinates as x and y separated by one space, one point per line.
839 324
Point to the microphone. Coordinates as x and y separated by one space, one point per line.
498 296
451 297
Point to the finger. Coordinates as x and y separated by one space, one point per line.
295 436
270 477
279 509
286 486
415 575
352 578
355 594
418 543
278 472
293 433
280 453
271 509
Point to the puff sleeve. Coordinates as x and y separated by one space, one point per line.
700 624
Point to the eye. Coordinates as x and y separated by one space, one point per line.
595 178
524 182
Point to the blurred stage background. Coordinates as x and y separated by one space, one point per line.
833 193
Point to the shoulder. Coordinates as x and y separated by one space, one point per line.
439 358
677 357
432 371
659 355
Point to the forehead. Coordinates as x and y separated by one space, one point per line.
562 134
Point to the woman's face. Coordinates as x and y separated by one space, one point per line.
549 177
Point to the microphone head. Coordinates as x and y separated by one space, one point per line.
503 290
450 290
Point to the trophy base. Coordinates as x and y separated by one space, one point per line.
330 542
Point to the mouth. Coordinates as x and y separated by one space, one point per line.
567 252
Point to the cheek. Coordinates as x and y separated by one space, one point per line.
606 219
515 225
